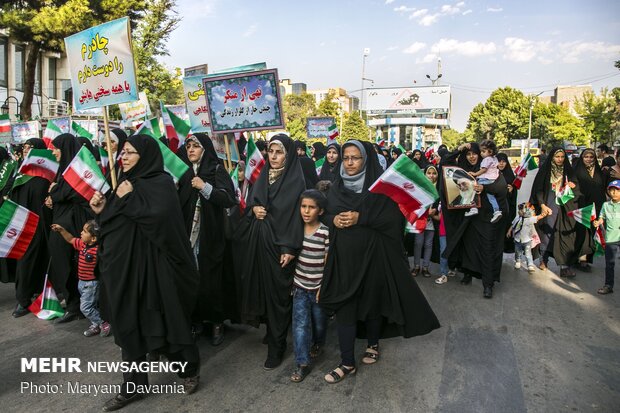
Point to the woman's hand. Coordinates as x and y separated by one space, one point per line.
346 219
124 188
478 188
571 185
198 183
259 212
97 202
48 202
545 210
509 188
285 259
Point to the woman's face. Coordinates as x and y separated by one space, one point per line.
194 151
241 174
431 174
25 149
56 153
332 155
352 160
129 157
113 144
589 158
558 158
276 155
472 157
417 155
501 164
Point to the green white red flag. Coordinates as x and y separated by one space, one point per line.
78 130
419 225
47 306
176 128
333 134
599 241
84 175
319 165
240 196
51 132
5 124
17 227
105 159
405 183
254 163
172 163
527 164
150 127
40 162
564 194
584 215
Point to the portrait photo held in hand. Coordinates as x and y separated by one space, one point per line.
459 187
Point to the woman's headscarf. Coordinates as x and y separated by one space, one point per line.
319 150
464 163
69 146
591 180
89 145
330 170
150 163
354 183
508 173
120 137
207 164
549 172
36 143
422 162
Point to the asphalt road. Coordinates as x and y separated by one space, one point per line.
542 344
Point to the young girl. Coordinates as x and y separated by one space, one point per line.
522 230
309 320
88 286
487 174
424 230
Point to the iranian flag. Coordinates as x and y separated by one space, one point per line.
105 160
84 175
51 132
332 134
176 128
240 196
564 194
151 128
319 165
172 163
5 124
527 164
380 142
419 225
40 162
254 163
47 306
17 227
78 130
584 215
407 185
599 241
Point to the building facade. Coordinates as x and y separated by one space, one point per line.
289 88
346 103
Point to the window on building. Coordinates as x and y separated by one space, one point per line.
20 67
4 60
51 93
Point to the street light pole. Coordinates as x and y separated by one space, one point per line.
366 53
529 130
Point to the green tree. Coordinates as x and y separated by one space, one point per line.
452 138
297 109
329 106
553 124
354 127
43 25
598 113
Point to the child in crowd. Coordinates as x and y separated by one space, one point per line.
487 174
88 285
424 230
522 231
610 216
309 320
443 262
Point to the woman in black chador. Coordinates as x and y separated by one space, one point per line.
331 167
30 192
148 267
271 235
592 184
71 211
366 280
503 164
204 191
557 231
474 243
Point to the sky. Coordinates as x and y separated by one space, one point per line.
530 45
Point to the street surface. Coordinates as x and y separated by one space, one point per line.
542 344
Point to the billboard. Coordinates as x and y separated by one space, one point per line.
408 100
319 127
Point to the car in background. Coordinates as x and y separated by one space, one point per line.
514 155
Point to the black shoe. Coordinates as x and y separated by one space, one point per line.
119 401
272 362
218 334
466 280
69 316
488 292
190 384
20 311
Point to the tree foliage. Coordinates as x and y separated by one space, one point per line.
452 138
43 25
354 127
600 115
297 109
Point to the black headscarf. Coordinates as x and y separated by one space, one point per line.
329 171
151 162
422 163
121 136
319 150
508 173
209 160
464 163
36 143
542 182
592 187
89 145
4 155
69 146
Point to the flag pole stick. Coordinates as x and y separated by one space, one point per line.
229 162
111 162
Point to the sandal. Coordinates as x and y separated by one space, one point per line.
606 289
371 356
441 280
300 373
316 350
339 373
415 272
